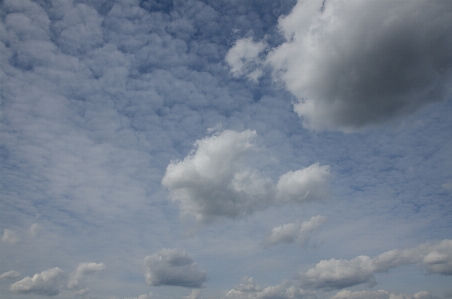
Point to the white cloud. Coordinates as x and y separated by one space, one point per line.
243 58
337 274
45 283
10 236
194 294
10 274
380 294
82 270
144 296
284 290
295 232
174 268
215 180
34 229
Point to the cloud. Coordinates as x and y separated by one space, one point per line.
284 290
381 294
295 232
353 64
10 236
10 274
34 229
174 268
194 294
243 58
214 180
144 296
338 274
45 283
82 270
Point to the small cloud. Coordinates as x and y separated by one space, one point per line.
194 294
82 270
243 58
34 229
10 236
174 268
10 275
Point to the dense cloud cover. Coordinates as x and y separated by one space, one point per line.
122 119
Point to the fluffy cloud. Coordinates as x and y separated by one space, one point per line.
352 63
337 274
10 236
174 268
45 283
291 232
284 290
214 180
243 58
380 294
82 270
10 274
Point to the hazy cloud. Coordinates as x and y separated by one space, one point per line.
215 180
174 268
10 236
380 294
45 283
10 274
340 273
295 232
82 270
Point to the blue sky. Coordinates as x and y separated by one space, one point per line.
225 149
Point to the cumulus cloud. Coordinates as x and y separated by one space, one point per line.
46 283
174 268
340 273
249 289
215 180
10 236
352 63
381 294
10 274
295 232
82 270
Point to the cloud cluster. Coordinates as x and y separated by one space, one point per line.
46 283
215 180
248 289
352 63
173 267
243 58
340 273
51 282
295 232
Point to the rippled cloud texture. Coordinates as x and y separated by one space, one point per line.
225 149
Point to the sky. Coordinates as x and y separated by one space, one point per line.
226 149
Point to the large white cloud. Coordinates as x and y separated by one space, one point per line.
356 63
215 180
295 232
46 283
174 268
340 273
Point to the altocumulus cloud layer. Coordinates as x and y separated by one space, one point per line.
170 148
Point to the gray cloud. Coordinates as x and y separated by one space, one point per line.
46 283
214 180
174 268
295 232
340 273
356 64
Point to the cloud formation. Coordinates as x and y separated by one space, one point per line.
340 273
249 289
10 236
10 274
243 58
215 180
46 283
347 76
173 267
295 232
82 270
380 294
